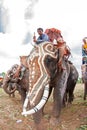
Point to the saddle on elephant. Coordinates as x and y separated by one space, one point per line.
64 50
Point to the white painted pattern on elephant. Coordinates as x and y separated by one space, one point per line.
39 105
41 51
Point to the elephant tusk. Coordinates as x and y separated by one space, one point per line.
39 105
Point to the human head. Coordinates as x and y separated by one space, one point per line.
40 31
85 39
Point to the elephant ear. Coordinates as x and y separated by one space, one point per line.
51 65
23 60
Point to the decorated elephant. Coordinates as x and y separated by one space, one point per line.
45 74
84 79
19 83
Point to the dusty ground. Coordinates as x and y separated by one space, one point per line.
73 117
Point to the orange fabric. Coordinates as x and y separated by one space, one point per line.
62 46
59 44
47 31
53 33
55 30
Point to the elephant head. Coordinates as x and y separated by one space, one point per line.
39 74
8 78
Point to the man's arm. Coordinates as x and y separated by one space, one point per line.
44 38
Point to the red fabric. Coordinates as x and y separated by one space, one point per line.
52 30
53 33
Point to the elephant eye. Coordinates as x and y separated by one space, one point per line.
14 70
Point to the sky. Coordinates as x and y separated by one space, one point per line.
21 18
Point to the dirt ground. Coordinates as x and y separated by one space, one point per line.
73 117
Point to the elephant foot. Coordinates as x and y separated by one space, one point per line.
84 98
54 121
40 126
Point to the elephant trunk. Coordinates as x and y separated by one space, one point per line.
39 105
9 89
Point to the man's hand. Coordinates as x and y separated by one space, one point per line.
34 39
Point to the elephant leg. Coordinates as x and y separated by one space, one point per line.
11 87
38 120
57 105
65 99
85 89
58 95
70 96
38 116
57 102
22 93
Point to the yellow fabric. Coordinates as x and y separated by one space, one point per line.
85 46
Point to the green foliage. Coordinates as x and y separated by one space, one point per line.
3 74
82 127
79 80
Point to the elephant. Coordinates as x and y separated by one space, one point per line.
71 83
45 74
20 83
84 79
